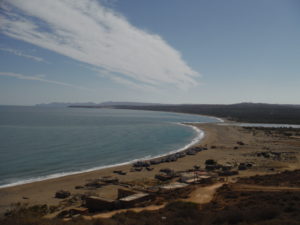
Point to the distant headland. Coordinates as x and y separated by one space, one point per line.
241 112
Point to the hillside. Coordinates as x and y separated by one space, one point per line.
243 112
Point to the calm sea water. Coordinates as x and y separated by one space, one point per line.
38 143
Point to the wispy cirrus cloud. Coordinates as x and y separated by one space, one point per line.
22 54
91 33
133 85
42 78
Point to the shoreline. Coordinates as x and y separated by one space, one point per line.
221 141
196 140
43 192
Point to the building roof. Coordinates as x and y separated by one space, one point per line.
134 197
100 199
173 186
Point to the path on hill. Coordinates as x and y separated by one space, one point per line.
203 195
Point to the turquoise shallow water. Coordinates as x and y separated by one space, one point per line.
38 143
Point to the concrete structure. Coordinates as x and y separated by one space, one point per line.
204 179
186 176
122 193
131 200
195 177
95 203
171 187
163 177
80 211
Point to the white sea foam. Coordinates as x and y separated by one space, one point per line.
63 174
198 138
219 119
200 135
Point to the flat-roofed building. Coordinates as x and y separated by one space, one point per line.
94 203
131 200
173 186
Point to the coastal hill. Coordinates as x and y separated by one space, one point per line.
93 105
241 112
64 104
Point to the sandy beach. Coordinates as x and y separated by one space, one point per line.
226 144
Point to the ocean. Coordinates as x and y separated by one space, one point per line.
38 143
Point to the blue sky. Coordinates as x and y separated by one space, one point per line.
195 51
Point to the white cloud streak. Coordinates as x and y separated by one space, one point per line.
88 32
42 79
134 85
21 54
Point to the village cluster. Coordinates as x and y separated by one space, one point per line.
169 184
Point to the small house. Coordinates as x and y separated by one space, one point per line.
132 200
94 203
173 186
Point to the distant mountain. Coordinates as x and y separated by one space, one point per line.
93 105
263 105
110 103
64 104
114 105
241 112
